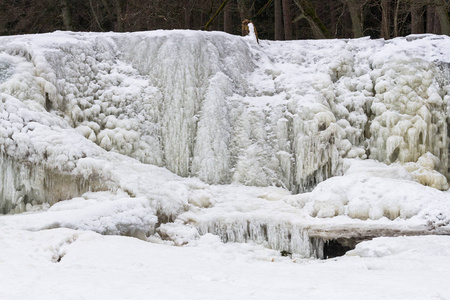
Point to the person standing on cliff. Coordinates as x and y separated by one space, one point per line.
249 29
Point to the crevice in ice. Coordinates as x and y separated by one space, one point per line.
6 70
60 250
394 155
308 241
338 247
48 103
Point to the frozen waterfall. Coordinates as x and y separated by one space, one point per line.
88 112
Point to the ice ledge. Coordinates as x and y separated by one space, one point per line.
309 237
24 183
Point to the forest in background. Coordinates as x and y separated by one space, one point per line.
274 19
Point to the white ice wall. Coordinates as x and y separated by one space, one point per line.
222 107
409 111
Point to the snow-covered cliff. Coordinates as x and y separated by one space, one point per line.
90 112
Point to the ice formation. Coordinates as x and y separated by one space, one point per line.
96 115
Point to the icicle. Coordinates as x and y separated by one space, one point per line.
29 183
278 235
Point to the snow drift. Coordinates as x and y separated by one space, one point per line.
94 115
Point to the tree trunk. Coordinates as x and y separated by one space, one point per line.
397 9
94 14
278 20
66 15
187 18
3 19
244 9
3 25
187 9
442 14
385 19
431 17
118 13
228 19
331 9
287 19
416 18
109 17
355 9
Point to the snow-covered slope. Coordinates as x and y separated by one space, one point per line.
68 264
135 131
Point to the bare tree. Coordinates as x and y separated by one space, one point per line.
245 9
332 15
417 24
396 15
228 18
385 19
3 18
287 19
66 15
118 13
355 7
219 10
442 8
431 19
308 12
278 20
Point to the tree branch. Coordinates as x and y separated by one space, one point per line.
216 14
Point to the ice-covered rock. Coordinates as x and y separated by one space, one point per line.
425 171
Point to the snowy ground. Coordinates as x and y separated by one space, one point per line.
68 264
127 160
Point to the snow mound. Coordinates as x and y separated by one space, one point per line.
403 247
102 212
372 190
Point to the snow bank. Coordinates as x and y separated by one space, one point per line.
72 265
371 190
403 247
102 212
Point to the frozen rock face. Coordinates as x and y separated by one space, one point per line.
215 106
